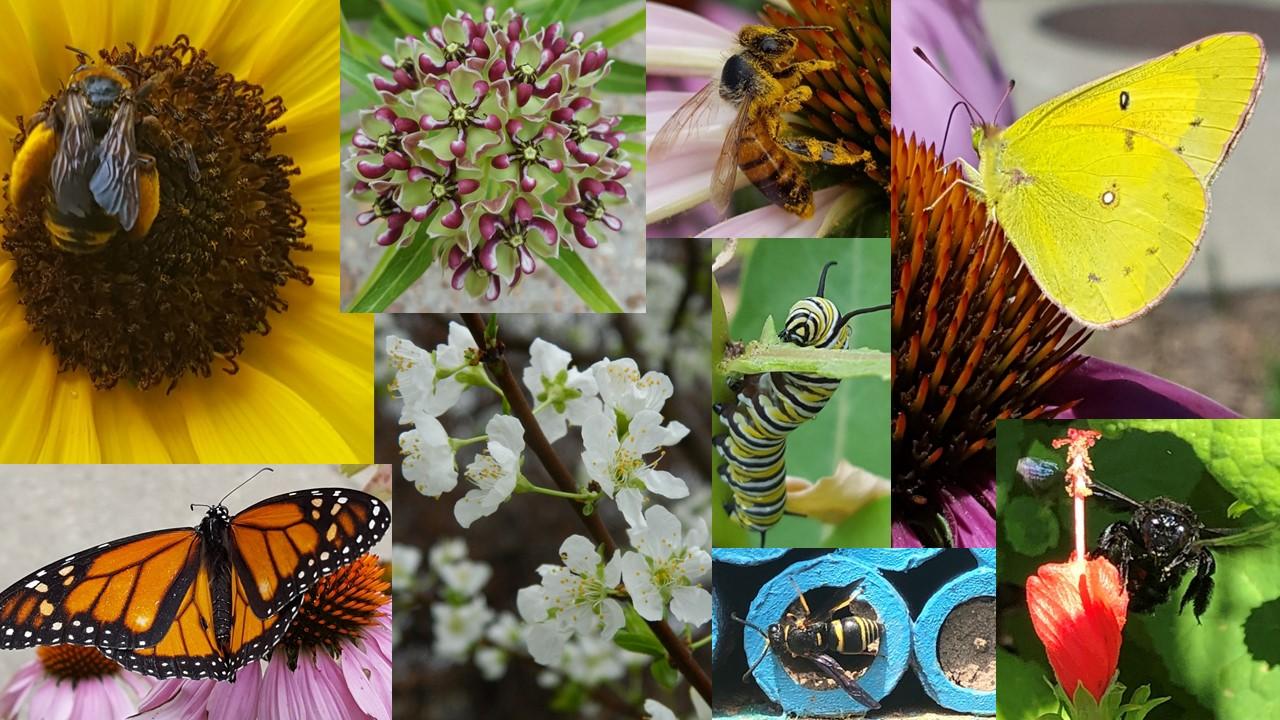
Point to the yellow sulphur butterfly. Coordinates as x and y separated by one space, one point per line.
1104 190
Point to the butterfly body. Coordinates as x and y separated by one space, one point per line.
1104 191
195 602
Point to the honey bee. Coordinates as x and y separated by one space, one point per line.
763 83
81 156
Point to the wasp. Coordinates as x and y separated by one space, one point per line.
763 84
82 158
817 640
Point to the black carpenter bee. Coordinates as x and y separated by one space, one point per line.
82 154
817 640
1161 542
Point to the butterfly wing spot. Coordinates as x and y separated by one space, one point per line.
1197 121
1153 250
1180 149
1128 140
1108 199
1094 279
46 608
1128 270
1124 99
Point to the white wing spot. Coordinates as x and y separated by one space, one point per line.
1108 198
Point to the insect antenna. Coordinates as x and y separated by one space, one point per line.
965 101
825 28
246 482
81 56
763 654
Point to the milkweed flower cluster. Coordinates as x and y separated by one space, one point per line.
490 137
567 622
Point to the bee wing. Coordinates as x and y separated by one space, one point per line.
115 182
70 169
725 175
694 112
1113 497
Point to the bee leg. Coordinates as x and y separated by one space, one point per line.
148 197
1201 586
795 71
814 150
1116 545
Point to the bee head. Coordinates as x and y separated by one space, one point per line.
102 84
1167 527
766 43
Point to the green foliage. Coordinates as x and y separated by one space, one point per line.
398 268
723 532
1220 668
619 31
575 273
637 636
775 274
624 77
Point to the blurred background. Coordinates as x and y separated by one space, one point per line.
1217 331
68 508
765 278
672 337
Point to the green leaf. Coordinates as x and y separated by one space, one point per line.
761 358
591 8
664 673
558 11
578 276
1023 692
631 124
635 153
619 31
865 528
436 10
1029 526
399 268
724 532
358 47
356 73
569 698
636 635
852 427
623 78
402 20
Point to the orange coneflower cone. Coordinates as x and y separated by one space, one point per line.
974 341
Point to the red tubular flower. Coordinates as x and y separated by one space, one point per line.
1078 610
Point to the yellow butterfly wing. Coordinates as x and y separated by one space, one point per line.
1145 135
1105 237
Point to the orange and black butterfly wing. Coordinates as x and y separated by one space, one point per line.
124 593
192 648
282 545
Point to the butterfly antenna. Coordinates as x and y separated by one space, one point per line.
763 654
972 110
951 116
1008 91
246 482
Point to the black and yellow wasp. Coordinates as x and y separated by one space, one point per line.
82 157
818 640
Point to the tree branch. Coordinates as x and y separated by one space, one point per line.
680 655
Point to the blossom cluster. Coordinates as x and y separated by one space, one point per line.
567 622
490 135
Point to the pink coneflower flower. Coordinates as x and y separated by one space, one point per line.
850 106
71 682
334 662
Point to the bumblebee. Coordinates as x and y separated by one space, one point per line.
801 636
763 83
81 157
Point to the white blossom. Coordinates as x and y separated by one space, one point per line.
492 662
655 710
665 568
426 381
445 552
465 577
617 464
625 390
405 560
506 632
458 627
493 472
569 394
429 461
574 598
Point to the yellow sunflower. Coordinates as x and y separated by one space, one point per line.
216 336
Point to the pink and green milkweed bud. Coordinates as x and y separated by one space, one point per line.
490 134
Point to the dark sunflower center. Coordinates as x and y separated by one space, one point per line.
340 607
181 299
75 662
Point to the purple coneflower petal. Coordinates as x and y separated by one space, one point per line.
678 42
773 221
1115 391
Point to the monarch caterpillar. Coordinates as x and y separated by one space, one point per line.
755 445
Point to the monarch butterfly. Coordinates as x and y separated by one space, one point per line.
195 602
755 446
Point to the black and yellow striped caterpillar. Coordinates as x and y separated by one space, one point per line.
755 446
